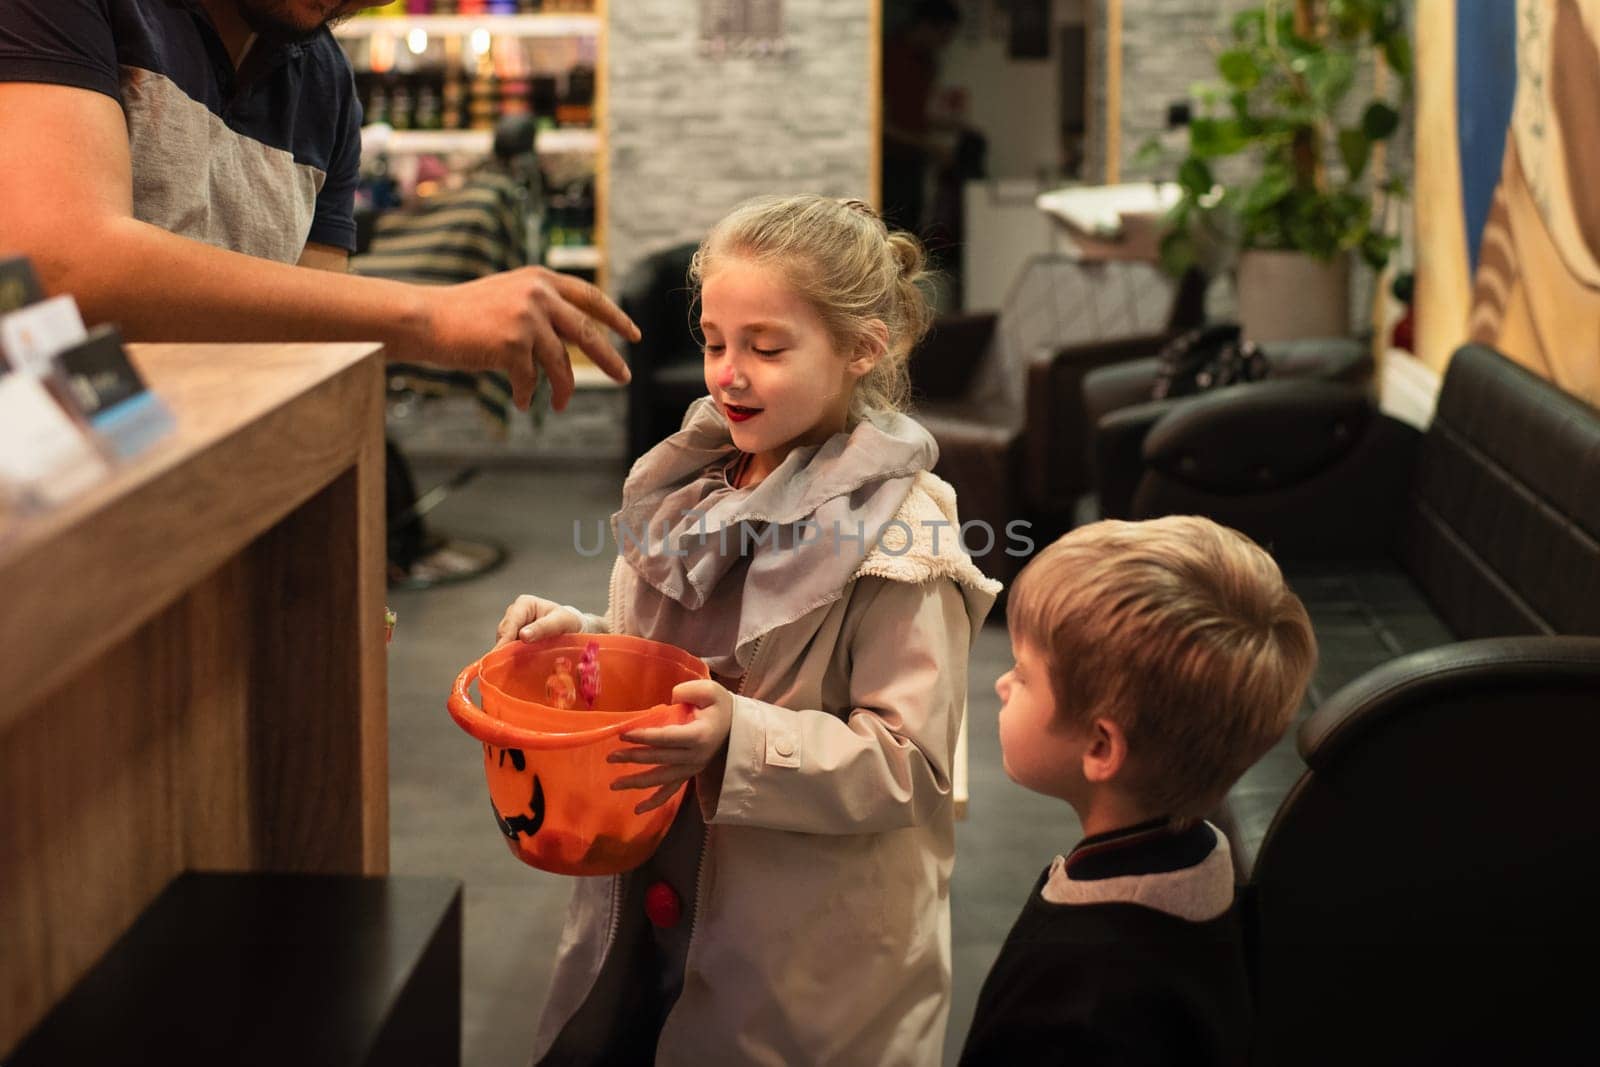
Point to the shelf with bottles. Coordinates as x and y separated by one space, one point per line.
446 95
401 24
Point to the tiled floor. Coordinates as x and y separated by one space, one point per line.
439 814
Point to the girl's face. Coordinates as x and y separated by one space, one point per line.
771 365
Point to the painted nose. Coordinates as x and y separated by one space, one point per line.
728 377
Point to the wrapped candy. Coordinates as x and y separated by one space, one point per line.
560 690
589 673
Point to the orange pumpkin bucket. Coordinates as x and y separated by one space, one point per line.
549 782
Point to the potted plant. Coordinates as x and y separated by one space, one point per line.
1285 101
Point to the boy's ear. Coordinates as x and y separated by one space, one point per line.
872 348
1106 753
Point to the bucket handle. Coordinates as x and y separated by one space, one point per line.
475 721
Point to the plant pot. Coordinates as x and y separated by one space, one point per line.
1284 296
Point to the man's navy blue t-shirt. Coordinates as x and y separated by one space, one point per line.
262 167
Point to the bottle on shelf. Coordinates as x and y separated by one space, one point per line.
555 222
576 108
569 216
513 96
428 111
452 100
483 104
400 116
375 99
543 96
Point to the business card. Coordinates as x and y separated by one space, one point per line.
31 336
45 457
110 394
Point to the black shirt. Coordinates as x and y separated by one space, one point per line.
260 167
1117 983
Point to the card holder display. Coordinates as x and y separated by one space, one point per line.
71 401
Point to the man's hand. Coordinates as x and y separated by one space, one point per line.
678 752
518 322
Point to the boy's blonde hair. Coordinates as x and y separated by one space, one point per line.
1183 633
845 262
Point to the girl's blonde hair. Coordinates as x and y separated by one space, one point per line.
840 256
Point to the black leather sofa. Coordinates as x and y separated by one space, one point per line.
1425 892
1399 542
1421 852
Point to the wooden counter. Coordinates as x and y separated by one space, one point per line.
192 658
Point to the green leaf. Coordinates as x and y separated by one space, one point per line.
1250 26
1330 75
1177 252
1205 93
1195 177
1397 53
1379 121
1376 248
1268 192
1150 153
1354 149
1239 68
1210 138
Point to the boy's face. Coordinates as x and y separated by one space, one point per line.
1038 752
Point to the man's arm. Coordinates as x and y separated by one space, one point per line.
67 205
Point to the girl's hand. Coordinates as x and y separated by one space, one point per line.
678 753
532 618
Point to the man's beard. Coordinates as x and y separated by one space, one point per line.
274 20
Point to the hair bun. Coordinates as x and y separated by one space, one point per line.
908 253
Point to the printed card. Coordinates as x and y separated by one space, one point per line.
31 337
111 395
45 458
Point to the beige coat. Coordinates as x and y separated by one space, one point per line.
822 930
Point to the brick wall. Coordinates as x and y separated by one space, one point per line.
1167 47
691 135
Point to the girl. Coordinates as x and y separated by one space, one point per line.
792 535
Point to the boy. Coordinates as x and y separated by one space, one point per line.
1155 661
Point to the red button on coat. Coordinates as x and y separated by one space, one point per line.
662 905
